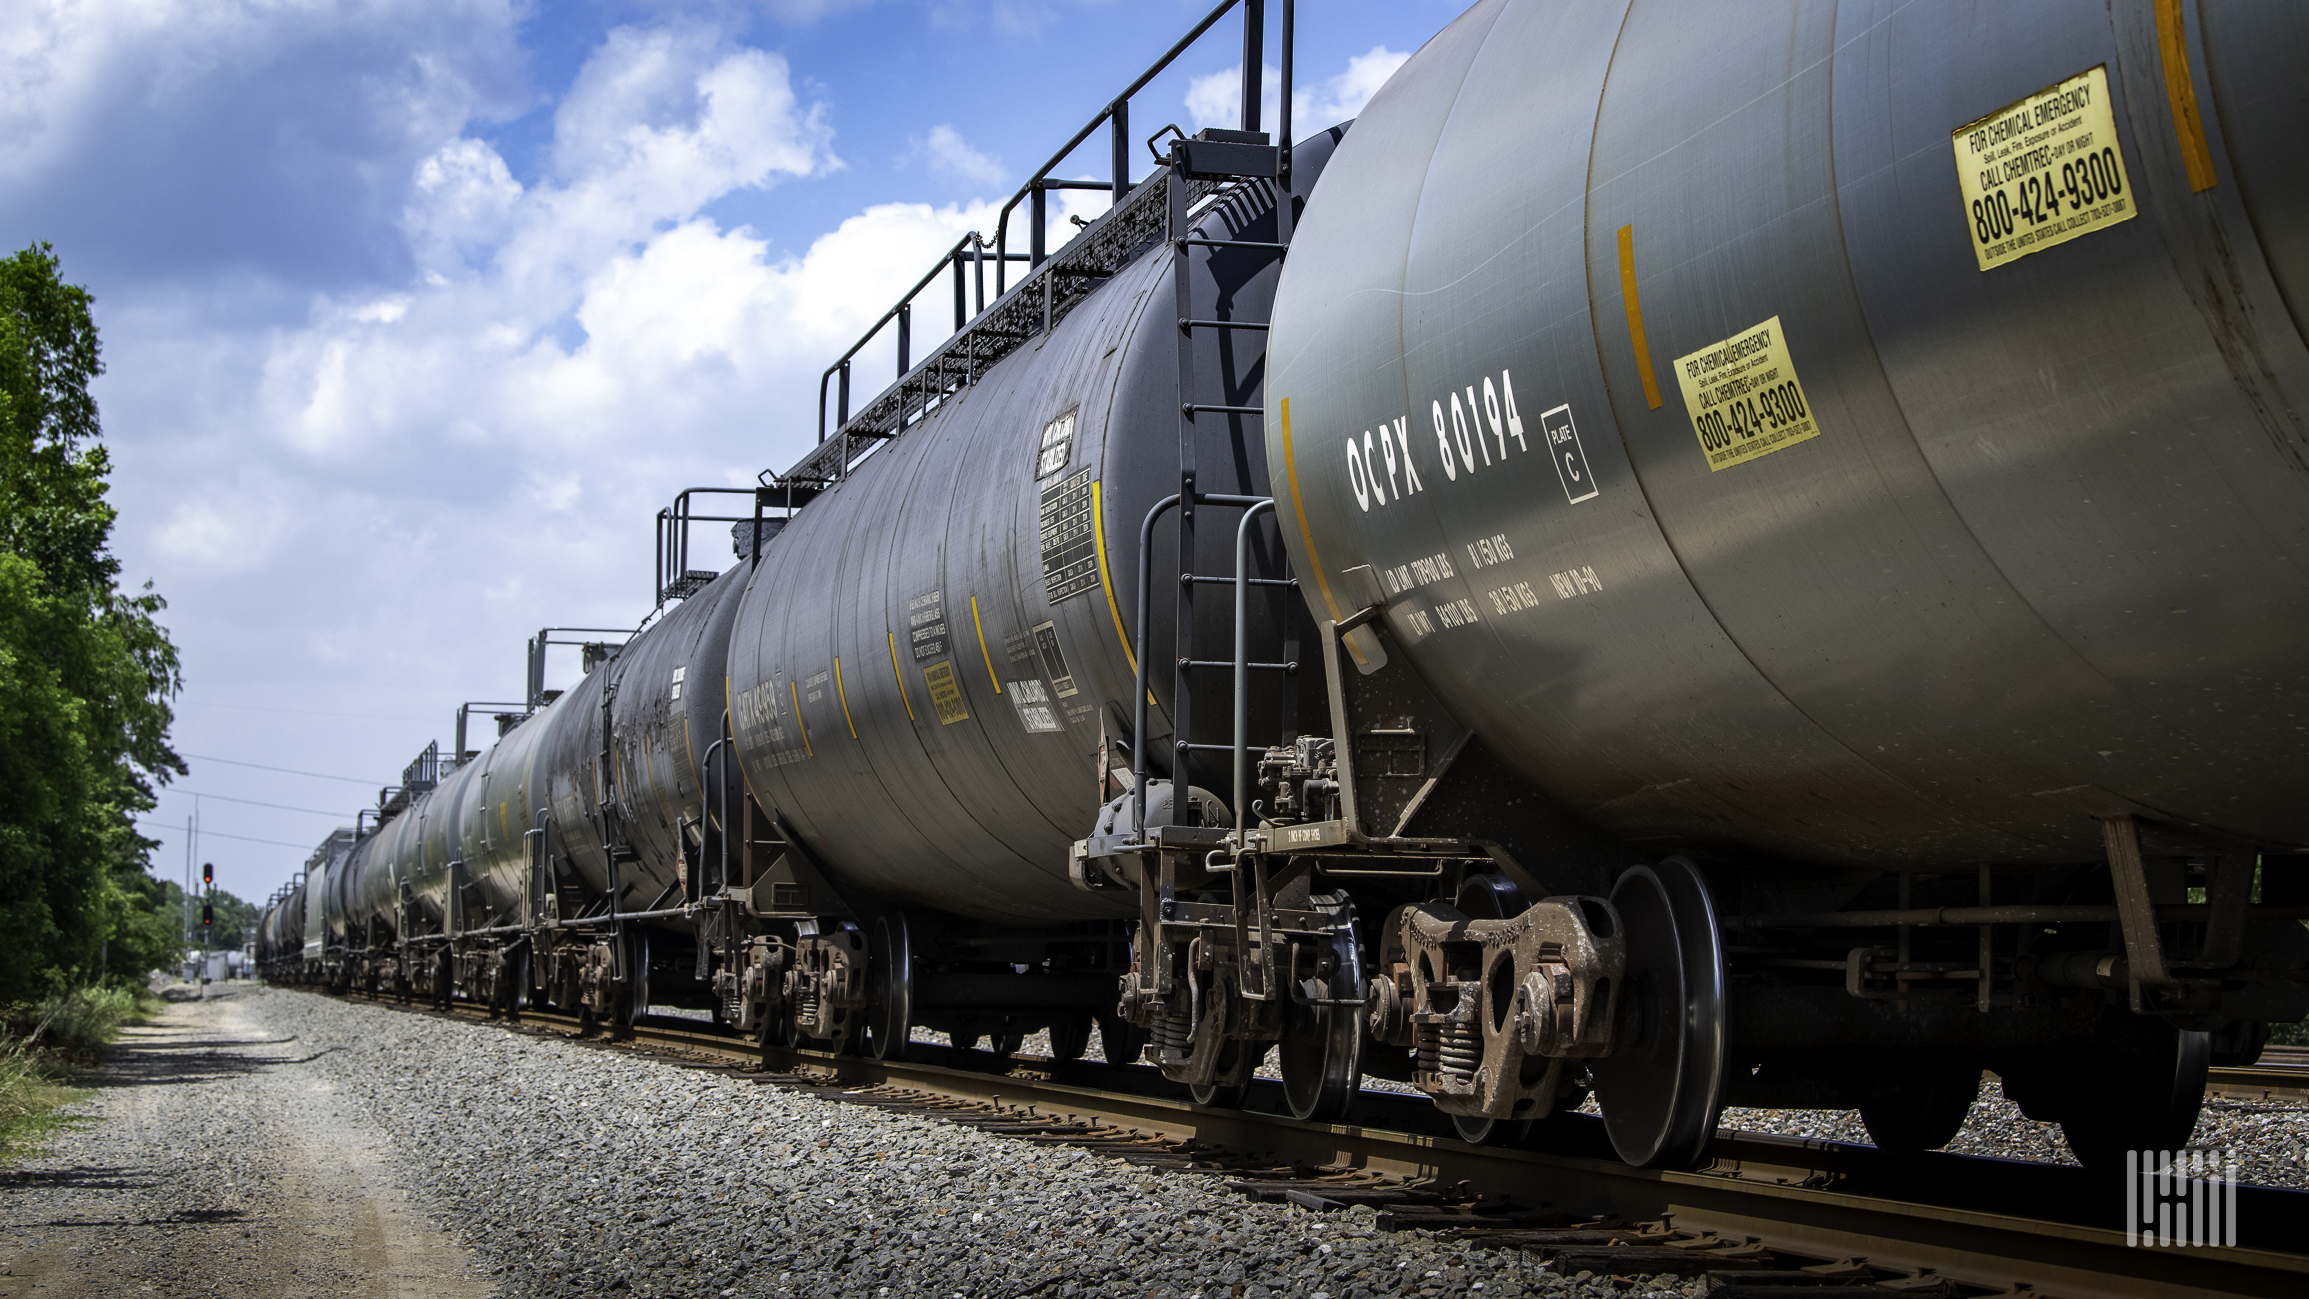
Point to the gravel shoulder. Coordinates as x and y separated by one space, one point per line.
288 1144
283 1143
217 1157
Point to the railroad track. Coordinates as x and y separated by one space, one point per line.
2281 1071
1768 1217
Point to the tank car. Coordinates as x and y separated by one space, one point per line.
1752 563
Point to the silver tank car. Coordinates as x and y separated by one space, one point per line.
1859 433
931 656
665 689
507 803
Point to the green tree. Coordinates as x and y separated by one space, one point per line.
86 673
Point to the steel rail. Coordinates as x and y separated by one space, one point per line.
1985 1223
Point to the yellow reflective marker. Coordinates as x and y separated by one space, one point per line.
899 677
981 627
1635 313
1113 607
1306 534
2181 97
844 696
799 724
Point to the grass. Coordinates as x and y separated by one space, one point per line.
40 1044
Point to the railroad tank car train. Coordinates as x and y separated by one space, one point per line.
1746 563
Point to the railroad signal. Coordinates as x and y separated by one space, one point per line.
207 913
208 873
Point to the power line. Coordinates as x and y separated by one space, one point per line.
286 771
219 834
300 712
221 798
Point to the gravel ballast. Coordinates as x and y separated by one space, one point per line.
560 1168
319 1146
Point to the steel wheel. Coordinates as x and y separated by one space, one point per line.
890 1019
1069 1038
1119 1040
1224 1095
2145 1098
1484 1130
1321 1052
1923 1109
1662 1087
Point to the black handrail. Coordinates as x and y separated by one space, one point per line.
1117 114
973 248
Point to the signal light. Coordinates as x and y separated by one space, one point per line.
207 914
207 873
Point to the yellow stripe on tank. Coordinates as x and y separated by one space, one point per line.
899 677
842 693
982 631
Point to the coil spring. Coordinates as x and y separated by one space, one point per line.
806 1004
1459 1049
1170 1033
1428 1047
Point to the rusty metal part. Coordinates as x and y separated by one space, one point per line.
1497 1006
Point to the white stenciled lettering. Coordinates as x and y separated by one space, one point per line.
1573 582
1491 550
1459 431
1473 434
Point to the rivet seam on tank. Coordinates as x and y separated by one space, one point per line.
1743 397
2042 171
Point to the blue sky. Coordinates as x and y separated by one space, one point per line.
415 311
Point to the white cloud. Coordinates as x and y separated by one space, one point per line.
1217 99
948 154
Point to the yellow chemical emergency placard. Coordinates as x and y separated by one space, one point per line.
2042 171
945 693
1743 396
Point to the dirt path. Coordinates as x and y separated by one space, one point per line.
216 1161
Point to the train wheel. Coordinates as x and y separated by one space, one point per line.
1224 1095
2145 1098
1923 1109
1069 1038
1484 1130
1662 1087
890 962
1119 1040
1321 1052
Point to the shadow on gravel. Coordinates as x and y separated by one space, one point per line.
178 1218
80 1179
